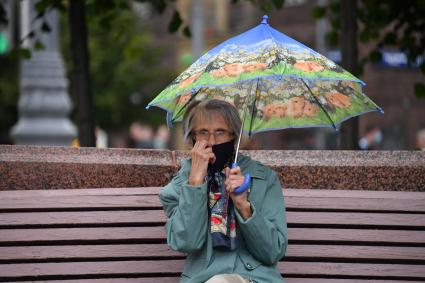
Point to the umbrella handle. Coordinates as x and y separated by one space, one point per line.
245 184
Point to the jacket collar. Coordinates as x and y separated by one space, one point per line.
253 167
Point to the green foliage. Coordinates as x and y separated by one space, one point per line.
125 66
175 23
265 5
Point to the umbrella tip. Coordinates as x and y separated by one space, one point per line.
265 20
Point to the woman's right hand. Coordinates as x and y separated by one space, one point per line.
202 155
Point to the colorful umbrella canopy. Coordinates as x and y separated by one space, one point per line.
278 81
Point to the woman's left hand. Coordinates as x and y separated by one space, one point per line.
234 179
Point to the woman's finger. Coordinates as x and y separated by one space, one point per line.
235 171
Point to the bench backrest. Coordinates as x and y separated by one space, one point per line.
117 235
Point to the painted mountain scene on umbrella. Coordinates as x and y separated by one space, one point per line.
287 102
235 63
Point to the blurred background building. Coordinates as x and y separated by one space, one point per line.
134 57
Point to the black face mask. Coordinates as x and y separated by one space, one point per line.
223 156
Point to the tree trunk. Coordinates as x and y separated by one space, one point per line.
349 134
80 75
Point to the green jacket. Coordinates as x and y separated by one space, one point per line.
263 238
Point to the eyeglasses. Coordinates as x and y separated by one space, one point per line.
219 135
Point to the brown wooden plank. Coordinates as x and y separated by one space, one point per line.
152 201
81 192
352 269
36 236
162 250
87 252
82 217
357 235
357 194
129 197
349 218
356 252
355 204
89 201
308 193
123 280
157 216
166 267
176 280
172 267
318 280
394 237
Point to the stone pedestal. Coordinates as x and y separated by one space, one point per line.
44 103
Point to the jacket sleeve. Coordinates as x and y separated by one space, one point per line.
186 209
265 232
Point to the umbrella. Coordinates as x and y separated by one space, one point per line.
274 81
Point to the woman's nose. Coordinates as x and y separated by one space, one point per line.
211 140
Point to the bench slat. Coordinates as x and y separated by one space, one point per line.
35 236
72 202
132 280
355 204
307 193
87 252
81 192
324 252
158 216
318 280
147 197
352 269
176 280
111 234
173 267
357 235
91 202
83 217
362 219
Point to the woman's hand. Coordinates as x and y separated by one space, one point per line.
201 155
235 179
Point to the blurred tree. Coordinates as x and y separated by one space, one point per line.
81 89
125 67
114 88
8 74
8 96
392 23
349 134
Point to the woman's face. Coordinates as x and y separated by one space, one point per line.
212 128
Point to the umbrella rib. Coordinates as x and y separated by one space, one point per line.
185 105
252 109
320 104
360 93
243 120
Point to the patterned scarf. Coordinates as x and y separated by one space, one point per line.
223 218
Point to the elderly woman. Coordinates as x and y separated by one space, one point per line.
227 237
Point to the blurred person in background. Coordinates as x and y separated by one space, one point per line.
162 138
141 136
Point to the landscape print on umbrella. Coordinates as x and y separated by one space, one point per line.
283 83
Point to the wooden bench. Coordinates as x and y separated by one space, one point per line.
117 235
